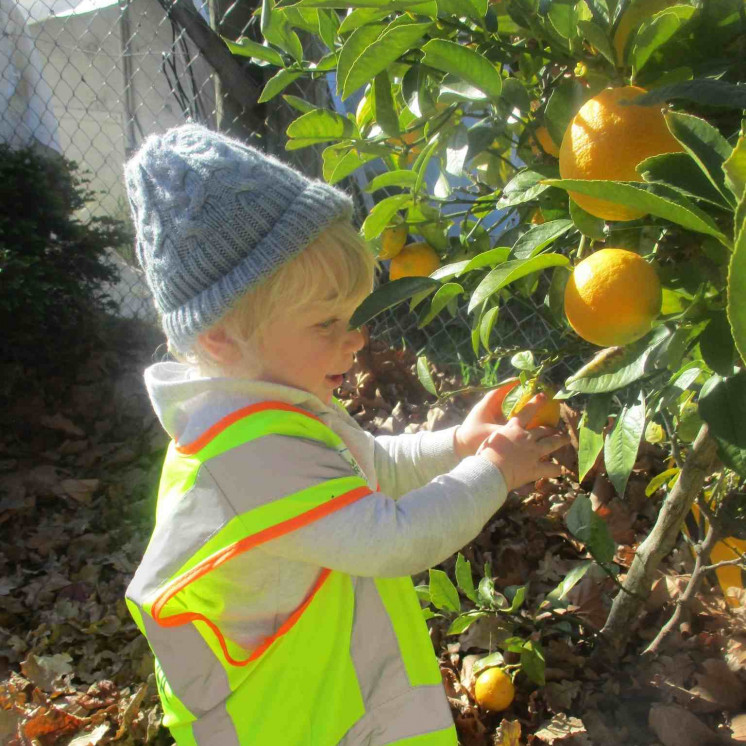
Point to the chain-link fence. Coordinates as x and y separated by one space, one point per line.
91 79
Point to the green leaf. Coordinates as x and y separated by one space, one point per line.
388 295
707 91
321 125
598 38
428 613
443 592
656 199
276 84
423 373
570 580
486 593
723 407
539 237
491 257
461 623
655 32
464 577
735 169
589 225
523 360
556 295
511 271
615 367
244 47
341 160
736 294
418 6
623 443
705 145
523 187
591 438
465 63
517 600
298 103
489 661
591 529
486 324
397 39
384 109
380 216
441 299
358 41
275 30
423 593
657 481
532 662
392 178
474 9
563 104
680 171
716 345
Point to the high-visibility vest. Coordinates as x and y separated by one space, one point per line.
352 665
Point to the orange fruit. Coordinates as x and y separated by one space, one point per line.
414 260
606 140
612 297
546 141
548 414
494 690
392 241
636 13
537 218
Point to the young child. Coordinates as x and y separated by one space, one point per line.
275 590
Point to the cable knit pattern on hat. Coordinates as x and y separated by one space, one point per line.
213 218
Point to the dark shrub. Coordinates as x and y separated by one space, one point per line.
52 265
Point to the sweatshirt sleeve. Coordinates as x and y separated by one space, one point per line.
375 536
406 462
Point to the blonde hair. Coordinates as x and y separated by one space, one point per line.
338 266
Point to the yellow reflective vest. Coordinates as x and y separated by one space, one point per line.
352 665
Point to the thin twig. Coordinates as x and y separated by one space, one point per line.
675 450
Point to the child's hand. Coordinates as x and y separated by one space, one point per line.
519 453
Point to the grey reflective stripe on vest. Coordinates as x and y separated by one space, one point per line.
194 518
216 728
257 472
190 667
393 709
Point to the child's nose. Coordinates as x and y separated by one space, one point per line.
356 339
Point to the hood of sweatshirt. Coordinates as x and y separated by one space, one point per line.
187 404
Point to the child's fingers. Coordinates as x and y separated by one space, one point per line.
543 431
549 470
553 443
530 410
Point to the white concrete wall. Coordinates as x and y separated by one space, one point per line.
84 69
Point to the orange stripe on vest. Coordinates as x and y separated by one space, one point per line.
212 432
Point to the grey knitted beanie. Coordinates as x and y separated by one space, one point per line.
213 218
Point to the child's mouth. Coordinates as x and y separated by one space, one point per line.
337 380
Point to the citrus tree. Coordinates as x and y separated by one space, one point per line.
588 157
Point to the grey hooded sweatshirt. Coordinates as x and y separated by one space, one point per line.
428 505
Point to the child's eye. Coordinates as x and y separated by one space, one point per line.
327 324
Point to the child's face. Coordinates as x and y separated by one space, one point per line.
311 349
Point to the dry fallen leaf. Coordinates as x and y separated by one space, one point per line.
675 726
508 734
719 687
561 729
738 728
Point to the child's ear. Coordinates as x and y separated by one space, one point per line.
220 345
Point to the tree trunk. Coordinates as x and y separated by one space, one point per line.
234 81
232 20
658 544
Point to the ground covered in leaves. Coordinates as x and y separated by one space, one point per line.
80 457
